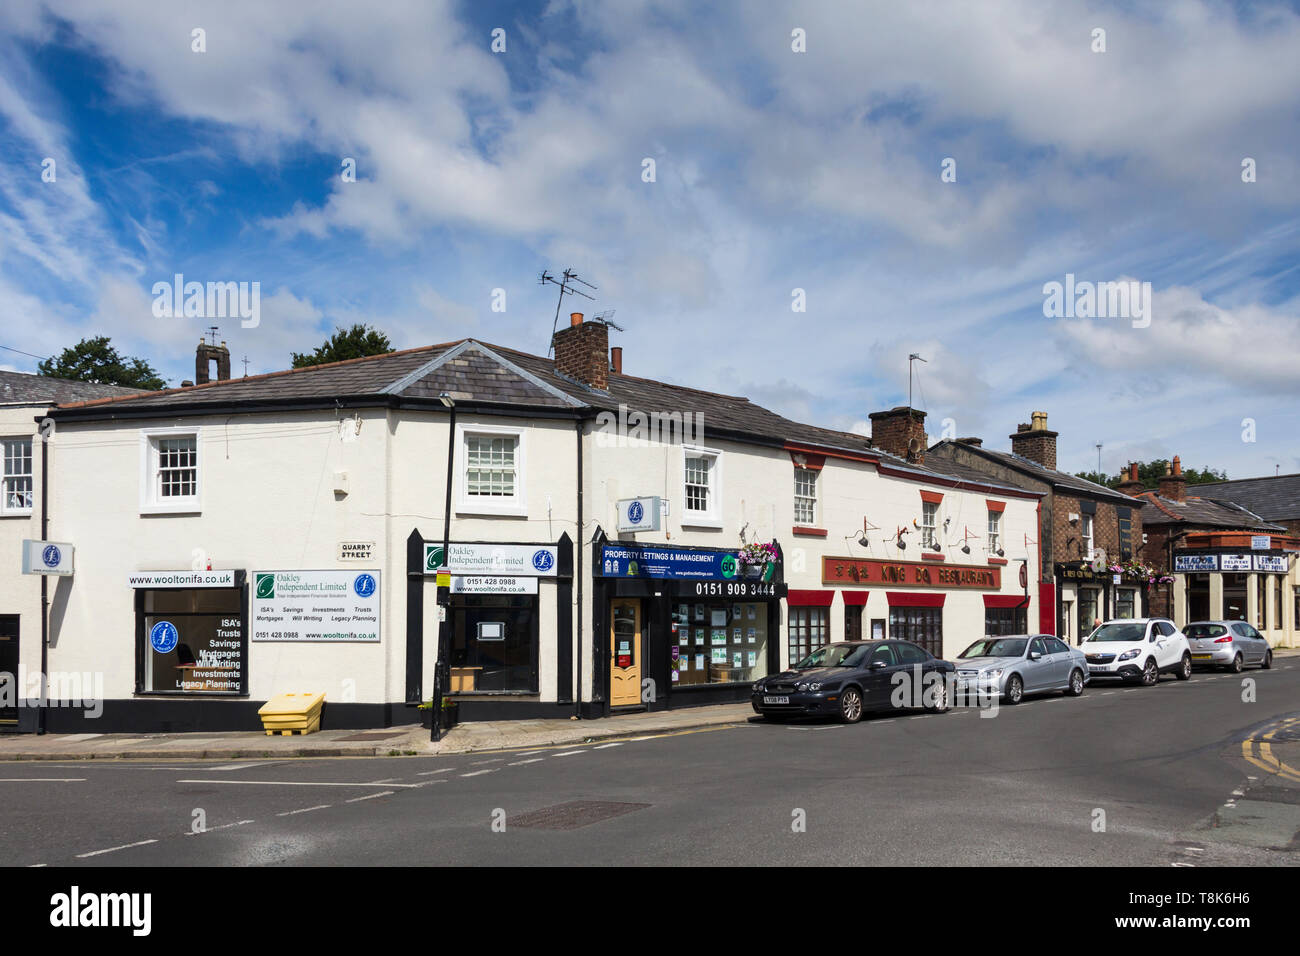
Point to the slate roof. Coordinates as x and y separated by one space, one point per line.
1059 480
473 371
24 388
1275 498
1197 510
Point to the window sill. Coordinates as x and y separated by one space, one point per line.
931 556
711 524
472 508
16 514
188 508
997 560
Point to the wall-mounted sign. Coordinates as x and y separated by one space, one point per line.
356 550
1234 562
1195 563
47 557
639 514
332 606
532 560
650 561
913 574
1271 562
229 578
466 584
1260 542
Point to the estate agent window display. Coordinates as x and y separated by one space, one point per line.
191 642
718 642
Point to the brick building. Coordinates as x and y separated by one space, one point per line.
1085 529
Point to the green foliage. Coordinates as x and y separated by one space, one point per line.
95 360
356 342
1150 473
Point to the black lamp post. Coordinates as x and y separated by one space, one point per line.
441 671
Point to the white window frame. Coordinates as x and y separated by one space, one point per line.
994 531
712 518
514 506
1087 537
5 510
150 501
814 474
930 531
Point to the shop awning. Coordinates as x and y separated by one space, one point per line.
855 598
798 598
908 599
1005 600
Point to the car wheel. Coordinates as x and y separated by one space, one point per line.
1184 671
941 702
1076 683
1150 673
1237 664
1268 661
850 705
1015 689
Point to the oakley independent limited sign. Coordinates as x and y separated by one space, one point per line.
526 560
331 606
908 574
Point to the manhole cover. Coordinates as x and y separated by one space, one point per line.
572 815
372 736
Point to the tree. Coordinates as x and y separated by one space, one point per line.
356 342
95 360
1150 473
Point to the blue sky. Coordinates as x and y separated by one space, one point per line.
775 170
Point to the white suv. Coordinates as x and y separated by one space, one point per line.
1138 649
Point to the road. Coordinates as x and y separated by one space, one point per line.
1121 776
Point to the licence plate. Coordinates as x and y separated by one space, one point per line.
776 700
1096 670
1202 657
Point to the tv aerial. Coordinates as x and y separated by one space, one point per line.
568 277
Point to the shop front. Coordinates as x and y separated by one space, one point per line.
1091 592
1231 584
677 626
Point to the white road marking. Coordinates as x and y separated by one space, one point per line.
36 866
430 773
603 746
370 796
477 773
42 779
569 753
527 752
224 826
479 763
114 849
289 813
519 763
243 766
1183 864
307 783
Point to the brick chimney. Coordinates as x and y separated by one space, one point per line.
900 431
204 355
1035 442
582 351
1131 485
1172 484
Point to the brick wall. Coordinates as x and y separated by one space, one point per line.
894 429
582 353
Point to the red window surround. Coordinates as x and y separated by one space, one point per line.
908 599
931 497
1005 600
931 556
995 505
809 598
997 560
855 598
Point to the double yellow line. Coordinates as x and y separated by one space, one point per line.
1258 751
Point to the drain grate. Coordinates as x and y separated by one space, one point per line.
373 736
572 815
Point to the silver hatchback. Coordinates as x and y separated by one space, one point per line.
1019 664
1230 644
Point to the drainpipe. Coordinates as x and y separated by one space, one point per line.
580 546
45 583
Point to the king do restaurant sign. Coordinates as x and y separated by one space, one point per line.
509 560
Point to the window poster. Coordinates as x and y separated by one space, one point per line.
718 617
699 635
719 655
751 635
699 612
735 635
751 612
736 659
719 635
699 662
753 658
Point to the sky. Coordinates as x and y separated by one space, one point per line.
833 186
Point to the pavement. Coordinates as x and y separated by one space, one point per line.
412 740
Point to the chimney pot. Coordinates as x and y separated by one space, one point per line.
1173 485
1035 441
616 359
575 318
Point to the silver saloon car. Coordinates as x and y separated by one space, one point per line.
1230 644
1019 664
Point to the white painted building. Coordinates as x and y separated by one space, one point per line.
244 538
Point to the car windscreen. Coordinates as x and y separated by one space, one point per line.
1205 630
1119 631
834 655
996 647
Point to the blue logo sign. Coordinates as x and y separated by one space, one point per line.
51 556
364 585
542 560
163 637
635 512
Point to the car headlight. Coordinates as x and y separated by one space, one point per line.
1129 655
995 672
814 686
758 686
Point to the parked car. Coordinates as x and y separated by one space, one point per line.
1138 649
1230 644
849 678
1018 664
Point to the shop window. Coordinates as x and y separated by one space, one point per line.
1000 621
172 476
1198 597
920 625
1279 613
1234 597
16 482
853 622
718 643
701 490
1089 609
193 641
805 496
809 629
1261 602
494 643
995 531
1126 603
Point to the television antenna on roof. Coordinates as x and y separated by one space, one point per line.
212 331
607 318
568 277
